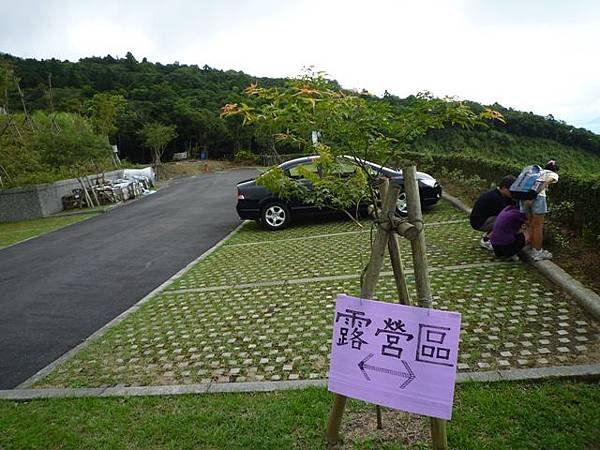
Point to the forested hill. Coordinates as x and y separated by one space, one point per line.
190 98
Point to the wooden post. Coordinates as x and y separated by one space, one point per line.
369 281
91 188
371 274
86 194
398 267
401 287
421 269
419 255
439 438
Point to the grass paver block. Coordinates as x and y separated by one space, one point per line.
325 256
270 333
511 317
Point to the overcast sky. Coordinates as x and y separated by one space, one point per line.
532 55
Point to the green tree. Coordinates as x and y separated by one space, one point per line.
6 83
74 146
104 110
356 125
58 146
156 137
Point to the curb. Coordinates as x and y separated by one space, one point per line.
84 212
588 299
99 333
457 203
580 372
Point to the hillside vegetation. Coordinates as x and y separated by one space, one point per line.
111 99
191 98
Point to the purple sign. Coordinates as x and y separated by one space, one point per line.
403 357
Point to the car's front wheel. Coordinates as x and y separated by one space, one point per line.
275 216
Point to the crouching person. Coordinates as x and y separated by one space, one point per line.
488 206
507 237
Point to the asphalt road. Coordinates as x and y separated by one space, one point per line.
57 289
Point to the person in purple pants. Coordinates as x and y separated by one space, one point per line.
507 237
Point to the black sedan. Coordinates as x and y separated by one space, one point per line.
255 202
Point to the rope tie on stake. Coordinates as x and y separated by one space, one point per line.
419 224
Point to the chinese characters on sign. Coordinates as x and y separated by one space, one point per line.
399 356
354 321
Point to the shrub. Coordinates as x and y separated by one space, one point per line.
245 155
581 191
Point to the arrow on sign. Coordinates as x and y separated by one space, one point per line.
409 374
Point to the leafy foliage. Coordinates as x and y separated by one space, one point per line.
347 124
157 136
47 147
337 183
104 109
581 191
190 97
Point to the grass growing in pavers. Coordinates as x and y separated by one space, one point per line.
252 232
447 245
204 328
13 232
511 319
557 414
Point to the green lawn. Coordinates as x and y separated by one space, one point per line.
548 415
13 232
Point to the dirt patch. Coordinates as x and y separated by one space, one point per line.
359 429
579 259
176 169
468 194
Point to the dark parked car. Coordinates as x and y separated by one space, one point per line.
258 203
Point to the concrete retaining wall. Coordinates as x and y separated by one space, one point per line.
40 200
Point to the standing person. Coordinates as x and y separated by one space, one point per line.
537 208
488 206
506 237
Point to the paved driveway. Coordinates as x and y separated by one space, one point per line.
58 289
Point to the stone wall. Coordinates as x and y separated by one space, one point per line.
40 200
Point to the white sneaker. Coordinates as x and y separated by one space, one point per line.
545 254
485 243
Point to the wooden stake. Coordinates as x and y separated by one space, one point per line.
439 438
89 183
369 281
398 267
88 199
27 116
50 99
371 274
421 269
